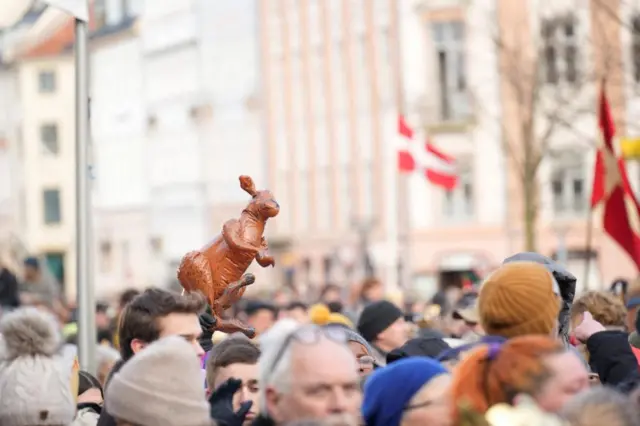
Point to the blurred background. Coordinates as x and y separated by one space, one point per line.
304 96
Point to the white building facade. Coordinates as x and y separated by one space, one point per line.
173 129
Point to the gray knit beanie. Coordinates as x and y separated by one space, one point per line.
160 386
35 374
354 336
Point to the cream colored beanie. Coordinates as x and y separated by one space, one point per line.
160 386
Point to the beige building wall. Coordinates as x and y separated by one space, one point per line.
329 87
47 171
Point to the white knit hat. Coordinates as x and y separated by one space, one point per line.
35 376
160 386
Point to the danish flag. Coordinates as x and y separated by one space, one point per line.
438 167
612 188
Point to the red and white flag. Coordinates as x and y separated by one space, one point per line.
438 167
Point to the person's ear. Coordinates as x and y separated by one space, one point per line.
137 345
273 398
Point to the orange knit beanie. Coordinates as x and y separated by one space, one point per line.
518 299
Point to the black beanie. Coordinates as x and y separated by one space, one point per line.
376 318
421 346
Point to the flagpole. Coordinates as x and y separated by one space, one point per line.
588 246
403 212
85 293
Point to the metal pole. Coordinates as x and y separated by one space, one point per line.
404 264
84 285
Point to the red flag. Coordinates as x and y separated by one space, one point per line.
611 186
437 167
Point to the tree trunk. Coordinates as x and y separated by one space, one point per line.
530 213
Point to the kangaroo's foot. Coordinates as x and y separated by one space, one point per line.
233 326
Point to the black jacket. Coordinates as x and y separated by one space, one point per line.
105 418
611 357
9 292
566 282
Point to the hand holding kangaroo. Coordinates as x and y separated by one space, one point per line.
217 269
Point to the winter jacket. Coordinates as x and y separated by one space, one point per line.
566 282
9 293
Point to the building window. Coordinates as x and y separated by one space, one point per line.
568 186
52 208
459 203
47 82
49 138
448 38
560 49
635 48
106 256
55 262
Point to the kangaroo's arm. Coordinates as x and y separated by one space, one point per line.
233 237
263 257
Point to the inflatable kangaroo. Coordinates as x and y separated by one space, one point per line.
217 269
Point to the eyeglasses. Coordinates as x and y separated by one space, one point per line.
309 335
366 361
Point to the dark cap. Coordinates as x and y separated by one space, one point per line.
32 262
376 318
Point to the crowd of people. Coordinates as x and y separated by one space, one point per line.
520 348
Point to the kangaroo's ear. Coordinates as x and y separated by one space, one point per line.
247 184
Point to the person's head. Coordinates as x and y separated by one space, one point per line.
32 270
419 347
307 372
38 379
126 297
409 392
382 324
372 290
158 313
601 406
160 385
237 358
261 315
605 308
330 293
296 310
538 366
518 299
320 314
361 350
102 316
632 303
464 318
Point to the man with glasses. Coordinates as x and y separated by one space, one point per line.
307 372
465 319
